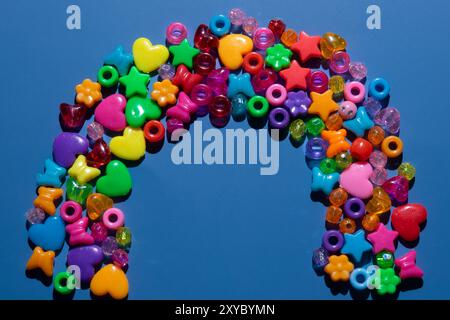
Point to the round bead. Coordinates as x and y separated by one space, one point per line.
289 37
316 148
249 26
108 246
384 259
166 71
258 107
379 88
361 149
108 76
370 222
334 122
253 63
333 214
338 197
297 129
276 94
392 146
357 70
99 232
375 135
354 208
113 218
123 237
202 95
239 107
120 258
219 111
340 62
279 118
220 25
204 63
154 131
277 26
263 38
347 225
347 110
318 81
332 240
388 119
327 166
354 91
70 211
35 215
336 85
378 159
378 176
263 80
176 32
358 279
236 16
343 160
315 126
407 170
64 283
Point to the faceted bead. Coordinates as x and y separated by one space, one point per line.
407 170
347 225
378 176
336 85
320 258
289 37
217 81
239 107
334 122
99 232
327 166
277 26
108 246
249 26
397 188
378 159
72 115
95 131
123 237
372 106
338 197
333 214
388 119
370 222
343 160
379 203
204 39
315 126
120 258
78 192
330 43
384 259
100 154
357 70
97 204
376 135
236 16
166 71
35 215
297 129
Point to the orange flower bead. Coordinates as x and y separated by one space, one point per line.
333 215
339 268
375 135
347 226
338 197
164 93
289 37
88 93
370 222
334 122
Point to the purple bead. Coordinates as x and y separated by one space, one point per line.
108 246
279 118
120 258
378 176
357 70
217 81
332 240
297 103
319 258
397 189
35 215
354 208
389 120
316 148
67 146
249 25
166 71
86 258
99 232
372 106
378 159
95 131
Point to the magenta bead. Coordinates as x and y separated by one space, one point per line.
263 80
236 17
378 159
35 215
217 81
378 176
263 38
173 124
70 211
357 70
340 62
202 94
318 82
176 32
184 110
120 258
108 246
99 232
249 25
397 188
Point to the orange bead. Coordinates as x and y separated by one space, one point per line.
347 226
392 146
97 204
164 93
334 122
375 135
339 268
88 93
370 222
333 215
46 197
289 37
337 141
338 197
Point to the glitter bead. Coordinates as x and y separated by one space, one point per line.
236 16
289 37
378 176
314 126
333 214
338 197
336 85
388 119
357 70
99 232
108 246
297 129
376 135
166 71
343 160
35 215
120 258
370 222
347 225
407 170
378 159
249 26
95 131
327 166
372 106
123 237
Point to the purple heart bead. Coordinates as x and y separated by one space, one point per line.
86 258
67 146
397 188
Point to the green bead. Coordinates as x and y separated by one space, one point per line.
297 129
108 76
64 283
314 126
140 109
343 160
278 57
123 237
328 165
183 53
135 83
78 192
117 181
388 281
385 259
407 170
258 107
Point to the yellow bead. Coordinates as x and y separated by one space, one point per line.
81 172
130 146
148 57
330 43
336 84
380 202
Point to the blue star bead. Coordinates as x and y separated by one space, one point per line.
323 182
355 245
360 123
52 175
120 59
241 83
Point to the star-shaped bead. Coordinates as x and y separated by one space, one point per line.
278 57
241 84
183 53
135 83
119 59
323 182
307 47
360 123
382 239
355 245
323 104
295 76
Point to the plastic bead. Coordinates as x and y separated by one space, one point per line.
297 103
289 37
384 259
123 237
70 211
295 76
358 279
120 258
382 239
378 159
97 204
332 240
174 124
315 126
135 83
117 180
185 80
278 118
108 246
253 63
183 53
360 123
219 111
408 267
323 104
35 215
297 129
331 43
307 47
166 71
392 146
81 171
388 119
232 49
336 84
250 25
43 260
99 232
316 148
95 131
99 156
52 176
164 93
240 83
333 215
318 82
354 91
67 146
239 107
119 59
217 81
176 32
220 25
379 88
113 218
407 170
334 122
340 62
338 197
64 283
356 245
184 109
204 63
263 38
323 182
130 145
379 203
357 70
372 106
361 149
327 166
319 259
370 222
276 94
397 188
202 95
110 280
258 107
72 116
147 56
154 131
347 225
339 268
263 80
354 208
337 142
77 233
376 135
205 40
347 110
236 17
343 160
108 76
355 179
408 219
78 192
277 26
388 281
46 198
88 93
278 57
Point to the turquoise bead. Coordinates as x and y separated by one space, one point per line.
240 84
220 25
323 182
239 107
52 175
360 123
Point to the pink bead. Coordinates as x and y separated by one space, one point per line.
340 62
217 81
113 218
184 108
276 94
263 38
378 159
99 232
357 70
70 211
120 258
236 16
176 32
354 91
378 176
249 25
408 267
78 234
173 124
318 81
347 110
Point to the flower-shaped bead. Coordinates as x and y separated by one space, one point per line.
388 281
339 268
88 93
278 57
164 93
297 103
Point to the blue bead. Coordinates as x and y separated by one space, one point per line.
240 84
323 182
379 88
49 235
52 175
355 245
320 259
356 275
316 148
360 123
220 25
239 107
119 59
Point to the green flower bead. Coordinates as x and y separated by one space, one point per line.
327 165
388 281
297 129
278 57
385 259
78 192
314 126
108 76
343 160
123 237
258 107
407 170
64 283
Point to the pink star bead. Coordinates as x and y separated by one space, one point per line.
382 239
407 265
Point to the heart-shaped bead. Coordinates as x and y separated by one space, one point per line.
379 203
99 155
67 146
232 48
355 180
110 280
148 57
138 110
204 39
397 188
117 181
406 220
86 258
109 112
130 146
72 115
49 235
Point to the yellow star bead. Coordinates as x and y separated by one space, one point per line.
82 172
323 104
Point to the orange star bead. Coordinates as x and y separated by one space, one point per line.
339 268
164 93
295 76
88 93
337 142
307 47
323 104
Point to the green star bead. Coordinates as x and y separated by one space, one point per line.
384 259
327 166
278 57
135 83
314 126
297 129
343 160
183 54
388 281
407 170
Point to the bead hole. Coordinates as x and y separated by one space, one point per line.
379 87
355 207
113 218
220 24
355 91
258 105
264 76
253 62
279 117
393 145
360 278
333 240
154 130
276 93
70 211
107 75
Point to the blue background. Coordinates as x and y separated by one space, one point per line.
219 231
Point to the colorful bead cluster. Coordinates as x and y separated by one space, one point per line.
274 84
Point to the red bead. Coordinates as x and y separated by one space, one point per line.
99 156
154 131
204 39
264 79
204 63
253 62
277 26
185 79
72 115
361 149
219 111
318 81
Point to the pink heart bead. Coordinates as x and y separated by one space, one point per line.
355 180
110 113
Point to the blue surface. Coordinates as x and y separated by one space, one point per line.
219 231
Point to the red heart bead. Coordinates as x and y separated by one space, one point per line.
406 219
99 155
72 115
204 39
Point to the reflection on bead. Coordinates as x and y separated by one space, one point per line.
338 197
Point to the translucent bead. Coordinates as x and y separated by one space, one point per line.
340 62
376 135
378 176
347 225
333 214
120 258
236 16
320 258
289 37
388 119
379 203
166 71
334 122
277 26
370 222
385 259
343 160
35 215
378 159
327 166
95 131
297 129
316 148
357 70
123 237
249 26
330 43
407 170
336 85
108 246
372 106
239 107
99 232
338 197
96 204
314 126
